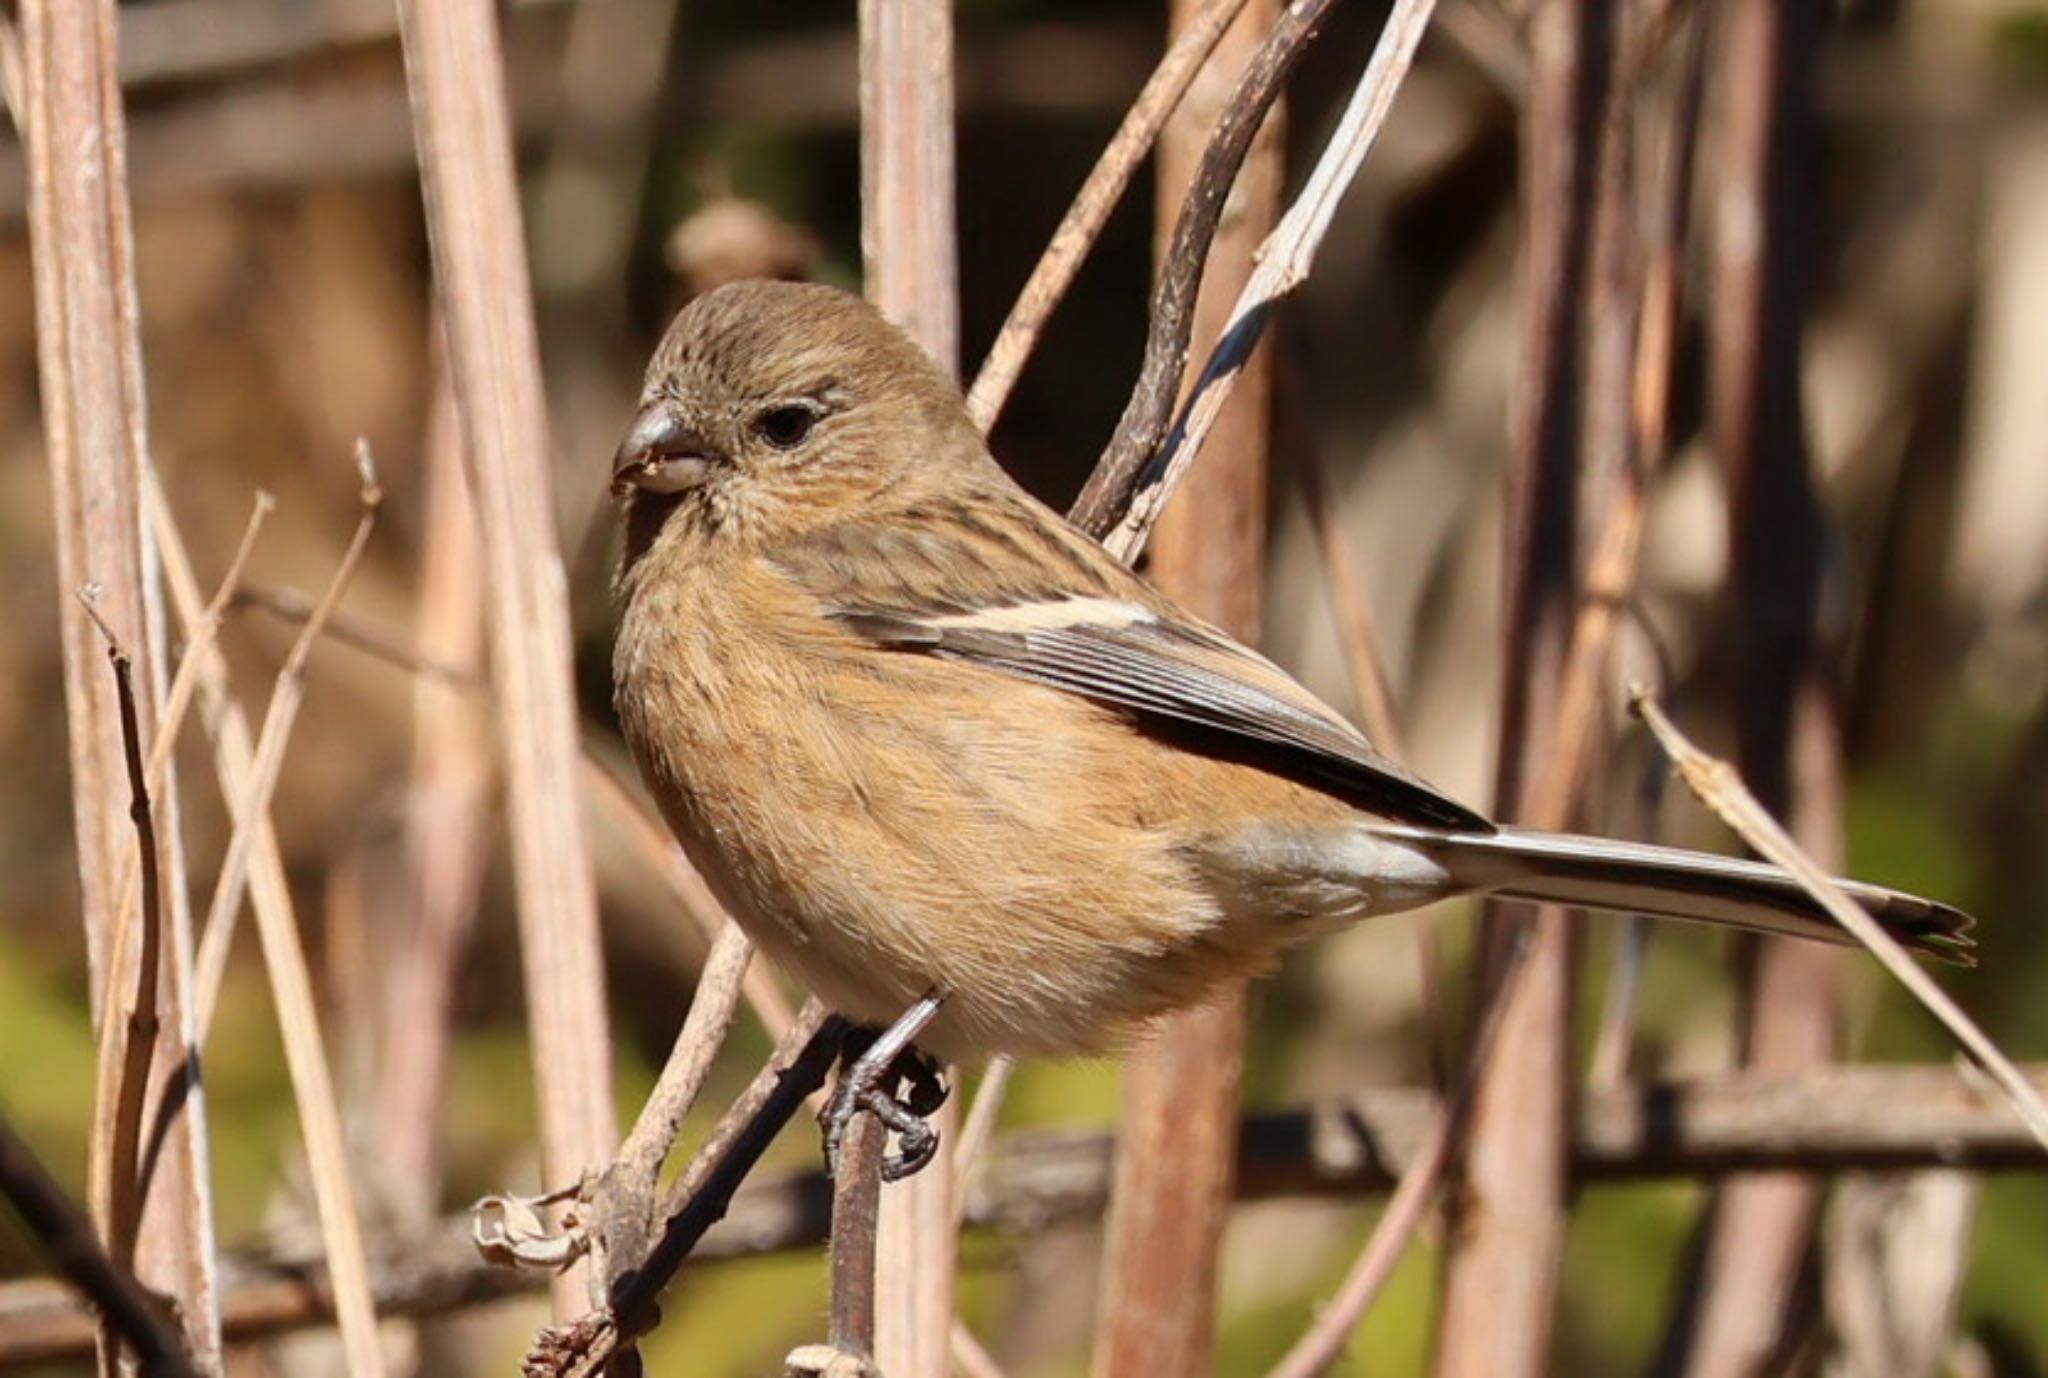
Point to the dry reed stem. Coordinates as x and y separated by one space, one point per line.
1509 1216
910 268
1282 264
64 1235
1722 790
456 72
1084 219
1176 1147
96 438
853 1251
1736 1309
285 960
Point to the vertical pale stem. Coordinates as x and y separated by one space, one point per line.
96 432
1508 1228
1788 726
910 259
456 69
1176 1152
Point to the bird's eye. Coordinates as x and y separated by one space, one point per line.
786 427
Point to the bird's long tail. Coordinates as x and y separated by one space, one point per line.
1666 882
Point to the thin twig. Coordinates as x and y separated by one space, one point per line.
285 960
199 649
65 1236
199 641
138 1044
291 605
622 1206
1722 790
282 713
696 1200
1142 479
1090 210
1107 497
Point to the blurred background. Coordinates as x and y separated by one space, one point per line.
666 146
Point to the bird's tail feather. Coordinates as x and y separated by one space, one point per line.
1666 882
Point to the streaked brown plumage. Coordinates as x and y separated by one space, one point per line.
922 735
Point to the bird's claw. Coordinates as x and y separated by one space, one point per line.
862 1088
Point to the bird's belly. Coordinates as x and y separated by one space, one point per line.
878 855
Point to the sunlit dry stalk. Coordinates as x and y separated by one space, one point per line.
1090 210
1508 1219
66 96
455 67
1176 1147
1737 1310
910 266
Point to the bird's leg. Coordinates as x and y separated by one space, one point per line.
868 1082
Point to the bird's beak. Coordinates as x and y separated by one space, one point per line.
660 454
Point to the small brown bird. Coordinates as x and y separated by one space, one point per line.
924 738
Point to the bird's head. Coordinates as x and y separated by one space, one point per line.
771 406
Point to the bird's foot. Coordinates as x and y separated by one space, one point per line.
868 1083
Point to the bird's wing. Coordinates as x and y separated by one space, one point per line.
1020 593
